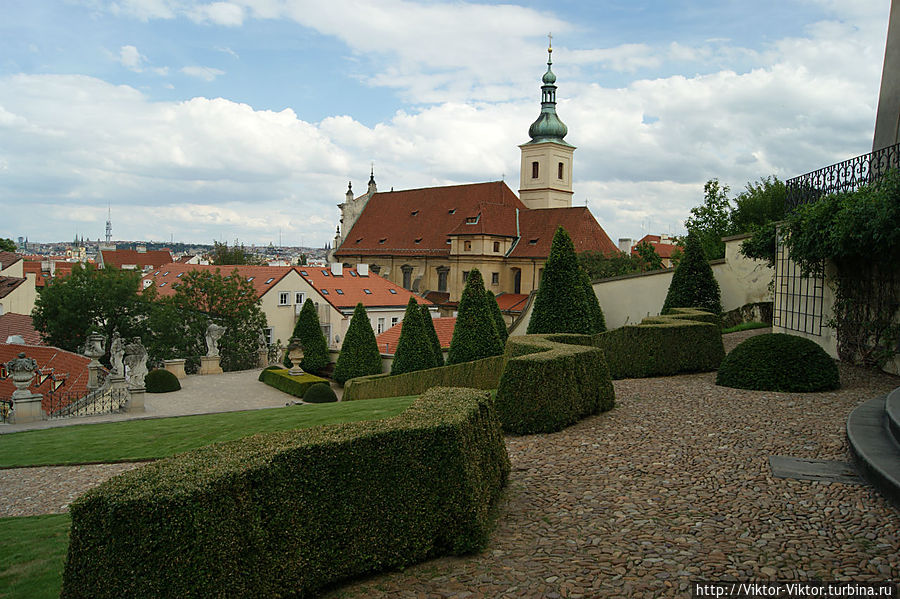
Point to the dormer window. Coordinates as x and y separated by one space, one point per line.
367 291
471 220
324 292
269 281
179 275
162 284
166 273
304 273
451 211
533 241
418 240
358 240
339 291
325 273
414 213
448 242
393 291
352 273
250 279
382 240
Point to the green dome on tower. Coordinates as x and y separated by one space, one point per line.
548 126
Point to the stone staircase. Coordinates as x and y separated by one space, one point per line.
873 431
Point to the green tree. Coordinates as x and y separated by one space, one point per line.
432 335
475 335
604 266
312 340
647 256
205 297
414 349
359 353
104 299
711 220
236 255
598 321
7 245
561 303
759 204
502 331
693 284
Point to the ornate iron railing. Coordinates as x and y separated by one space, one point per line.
102 401
848 175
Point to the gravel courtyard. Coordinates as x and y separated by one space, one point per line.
672 485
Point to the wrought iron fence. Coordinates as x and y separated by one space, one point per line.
102 401
848 175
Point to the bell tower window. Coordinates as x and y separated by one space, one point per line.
534 170
560 171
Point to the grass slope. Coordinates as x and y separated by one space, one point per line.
32 554
157 438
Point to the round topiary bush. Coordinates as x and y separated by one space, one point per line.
778 362
161 381
319 393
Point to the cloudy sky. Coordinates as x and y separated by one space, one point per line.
195 120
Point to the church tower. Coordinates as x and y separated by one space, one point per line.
546 171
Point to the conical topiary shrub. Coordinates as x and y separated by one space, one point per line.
414 349
693 283
309 332
359 353
595 312
432 336
502 331
561 305
475 334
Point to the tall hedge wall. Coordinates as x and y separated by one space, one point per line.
551 382
289 513
688 340
478 374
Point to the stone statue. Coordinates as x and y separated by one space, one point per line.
261 340
21 371
116 354
214 332
136 361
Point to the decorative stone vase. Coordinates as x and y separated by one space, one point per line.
95 346
21 371
295 355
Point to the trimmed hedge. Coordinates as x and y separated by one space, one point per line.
161 381
319 393
432 337
293 385
309 332
475 334
779 362
414 350
551 382
561 305
359 353
687 340
693 282
289 513
478 374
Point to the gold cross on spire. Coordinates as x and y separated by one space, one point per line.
550 43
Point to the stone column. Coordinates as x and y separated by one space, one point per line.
135 400
210 365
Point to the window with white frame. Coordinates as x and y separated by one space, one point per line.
380 326
284 298
299 297
270 332
394 320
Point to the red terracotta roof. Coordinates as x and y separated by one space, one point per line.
120 258
418 221
538 227
167 277
387 341
7 259
64 365
61 269
19 324
350 288
663 250
9 284
512 302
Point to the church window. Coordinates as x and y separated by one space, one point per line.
496 246
465 276
443 271
495 278
534 170
560 171
467 245
407 275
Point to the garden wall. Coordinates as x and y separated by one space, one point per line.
479 374
289 513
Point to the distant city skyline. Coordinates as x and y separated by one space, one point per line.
245 119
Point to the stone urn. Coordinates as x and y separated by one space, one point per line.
295 355
95 346
21 371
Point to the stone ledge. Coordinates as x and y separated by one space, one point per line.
874 447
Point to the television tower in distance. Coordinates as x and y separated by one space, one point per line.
108 224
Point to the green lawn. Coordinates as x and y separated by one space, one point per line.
157 438
32 554
746 326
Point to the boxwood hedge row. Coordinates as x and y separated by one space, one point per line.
688 340
294 385
289 513
478 374
551 382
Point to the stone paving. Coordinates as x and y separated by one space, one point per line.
672 485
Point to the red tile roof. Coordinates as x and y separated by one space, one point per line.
387 341
418 221
350 288
7 259
9 284
120 258
538 227
512 302
19 324
168 276
663 250
64 366
61 269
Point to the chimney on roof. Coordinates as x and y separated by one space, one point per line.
625 244
141 249
362 270
337 269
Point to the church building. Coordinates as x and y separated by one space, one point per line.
428 239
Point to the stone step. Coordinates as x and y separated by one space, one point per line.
871 433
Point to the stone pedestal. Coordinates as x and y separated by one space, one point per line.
117 381
263 354
210 365
27 408
94 369
135 400
176 367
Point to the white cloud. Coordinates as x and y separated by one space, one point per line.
218 13
131 59
205 73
